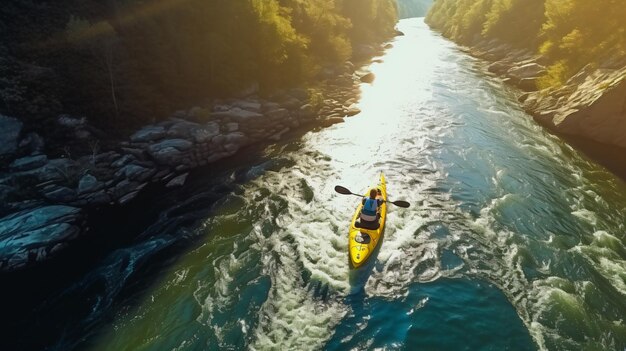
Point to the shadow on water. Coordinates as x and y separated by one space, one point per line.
124 253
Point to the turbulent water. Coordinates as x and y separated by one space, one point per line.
514 240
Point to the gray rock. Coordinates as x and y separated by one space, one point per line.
352 110
10 129
177 181
33 143
235 138
529 70
127 198
218 139
279 135
59 169
28 163
182 129
126 187
332 120
206 132
232 127
71 122
268 106
368 78
179 144
237 114
135 172
248 105
292 103
280 113
148 133
59 194
231 148
89 184
169 156
97 198
29 236
122 161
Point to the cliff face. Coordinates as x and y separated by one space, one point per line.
592 104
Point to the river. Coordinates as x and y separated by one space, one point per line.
514 240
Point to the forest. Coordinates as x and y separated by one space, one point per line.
569 34
120 63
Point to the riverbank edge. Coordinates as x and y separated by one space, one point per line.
44 200
588 111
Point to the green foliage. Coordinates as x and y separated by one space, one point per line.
141 60
568 33
316 98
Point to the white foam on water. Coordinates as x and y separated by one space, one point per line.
586 215
605 253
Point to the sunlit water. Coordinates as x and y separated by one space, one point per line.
514 241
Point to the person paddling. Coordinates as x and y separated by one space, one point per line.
369 213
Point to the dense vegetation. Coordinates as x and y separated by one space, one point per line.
121 62
569 33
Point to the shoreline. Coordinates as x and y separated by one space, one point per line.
45 200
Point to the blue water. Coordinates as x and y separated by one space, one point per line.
448 314
514 241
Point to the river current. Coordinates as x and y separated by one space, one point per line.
514 240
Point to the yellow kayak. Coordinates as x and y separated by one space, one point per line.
363 241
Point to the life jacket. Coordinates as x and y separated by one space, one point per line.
370 207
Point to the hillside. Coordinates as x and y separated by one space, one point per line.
570 56
124 63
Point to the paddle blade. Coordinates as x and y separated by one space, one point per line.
342 190
401 203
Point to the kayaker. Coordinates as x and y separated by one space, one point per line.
369 213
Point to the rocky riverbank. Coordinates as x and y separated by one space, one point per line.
590 105
43 199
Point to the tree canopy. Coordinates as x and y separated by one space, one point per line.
134 60
568 33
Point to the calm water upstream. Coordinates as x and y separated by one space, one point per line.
515 241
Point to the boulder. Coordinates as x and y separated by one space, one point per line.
237 114
135 172
368 78
352 110
35 235
280 113
206 132
89 184
122 161
59 194
32 143
269 106
10 129
59 169
177 181
182 129
248 105
529 70
232 127
179 144
28 163
148 134
170 151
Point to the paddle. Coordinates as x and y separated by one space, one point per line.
345 191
